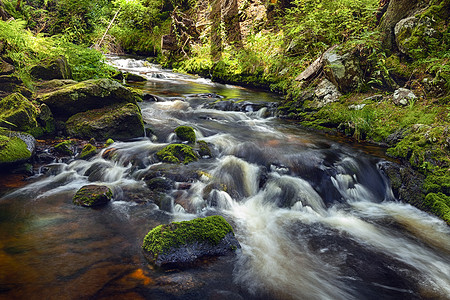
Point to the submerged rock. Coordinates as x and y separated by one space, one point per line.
119 122
83 96
182 243
92 195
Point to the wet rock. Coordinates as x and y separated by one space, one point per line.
203 149
92 195
160 184
177 153
403 97
119 122
57 68
88 151
16 147
178 173
343 71
185 133
65 148
134 77
83 96
183 243
406 184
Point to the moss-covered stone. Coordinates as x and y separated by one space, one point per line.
65 148
16 109
56 68
177 153
92 195
13 150
86 95
186 133
183 242
108 143
88 151
121 122
439 204
203 149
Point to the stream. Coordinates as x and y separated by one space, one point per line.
315 217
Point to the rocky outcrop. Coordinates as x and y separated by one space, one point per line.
57 68
343 71
92 195
86 95
182 243
119 122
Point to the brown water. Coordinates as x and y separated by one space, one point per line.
315 218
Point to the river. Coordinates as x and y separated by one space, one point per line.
315 217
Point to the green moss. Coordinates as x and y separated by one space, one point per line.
162 238
108 143
185 133
88 151
177 153
439 204
64 147
13 149
204 149
92 196
16 109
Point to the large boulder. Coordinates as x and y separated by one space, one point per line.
83 96
92 195
343 71
16 109
182 243
56 68
414 36
118 122
15 147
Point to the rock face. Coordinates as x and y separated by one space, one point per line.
182 243
403 97
17 110
16 147
342 70
92 195
119 122
53 69
86 95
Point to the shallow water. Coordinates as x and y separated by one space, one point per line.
315 217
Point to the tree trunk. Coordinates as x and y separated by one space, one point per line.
231 21
396 11
216 38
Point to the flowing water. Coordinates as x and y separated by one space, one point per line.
316 219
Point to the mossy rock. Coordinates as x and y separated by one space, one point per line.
86 95
65 148
56 68
88 151
121 122
181 243
13 150
177 153
186 133
108 143
17 110
439 204
92 195
203 149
